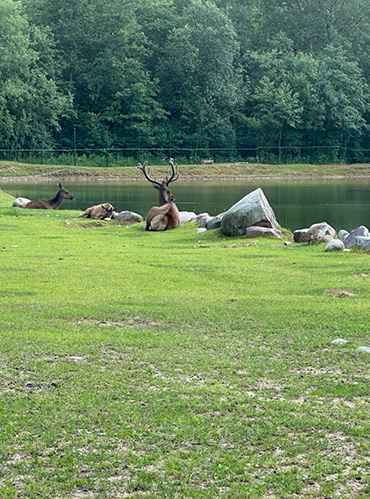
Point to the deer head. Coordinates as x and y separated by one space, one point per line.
64 193
165 195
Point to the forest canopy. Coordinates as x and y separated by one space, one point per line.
228 73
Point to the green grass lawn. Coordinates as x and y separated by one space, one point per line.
177 364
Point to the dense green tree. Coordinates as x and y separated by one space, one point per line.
285 95
314 24
277 107
344 93
30 103
305 98
193 73
103 51
199 72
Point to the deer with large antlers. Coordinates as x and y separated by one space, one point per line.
166 215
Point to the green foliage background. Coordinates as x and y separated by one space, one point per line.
222 73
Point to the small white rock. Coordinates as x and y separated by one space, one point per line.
187 216
21 202
339 341
201 229
364 349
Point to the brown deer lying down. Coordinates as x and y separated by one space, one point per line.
100 212
50 204
166 215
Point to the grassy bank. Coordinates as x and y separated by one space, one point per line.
10 171
178 364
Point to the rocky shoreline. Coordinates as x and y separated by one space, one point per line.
20 172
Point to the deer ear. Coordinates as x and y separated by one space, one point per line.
60 185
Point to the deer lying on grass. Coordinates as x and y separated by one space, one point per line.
104 211
50 204
166 215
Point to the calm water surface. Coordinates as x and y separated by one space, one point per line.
343 203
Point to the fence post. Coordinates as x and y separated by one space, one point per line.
74 147
106 150
229 144
138 145
42 149
170 140
7 149
200 144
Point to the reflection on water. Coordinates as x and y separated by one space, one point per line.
343 203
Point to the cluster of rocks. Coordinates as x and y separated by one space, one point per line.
252 216
343 241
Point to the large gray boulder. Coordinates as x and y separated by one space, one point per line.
252 209
363 242
129 217
360 231
320 232
21 202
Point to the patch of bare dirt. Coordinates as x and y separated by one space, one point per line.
318 371
52 359
340 293
129 322
82 494
92 225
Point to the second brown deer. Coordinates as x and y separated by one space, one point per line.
166 215
50 204
103 211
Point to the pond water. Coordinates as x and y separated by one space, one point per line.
343 203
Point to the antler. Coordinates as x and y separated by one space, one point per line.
142 168
174 176
175 173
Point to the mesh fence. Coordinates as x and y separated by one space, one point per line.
109 157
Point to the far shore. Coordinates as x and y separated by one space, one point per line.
11 172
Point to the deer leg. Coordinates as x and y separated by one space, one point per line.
159 223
